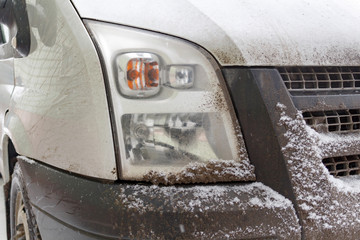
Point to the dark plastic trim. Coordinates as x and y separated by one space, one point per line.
255 93
71 207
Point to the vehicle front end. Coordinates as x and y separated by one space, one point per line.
229 120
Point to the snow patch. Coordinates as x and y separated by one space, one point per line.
204 197
350 184
25 159
330 206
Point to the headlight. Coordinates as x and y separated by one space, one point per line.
170 109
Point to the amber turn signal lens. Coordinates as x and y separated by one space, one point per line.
142 73
139 74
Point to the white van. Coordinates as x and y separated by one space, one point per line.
186 119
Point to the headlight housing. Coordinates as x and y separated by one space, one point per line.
170 108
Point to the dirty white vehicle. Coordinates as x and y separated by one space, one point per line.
180 119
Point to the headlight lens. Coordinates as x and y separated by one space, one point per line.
174 139
170 109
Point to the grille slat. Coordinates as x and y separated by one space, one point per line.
341 121
303 79
343 166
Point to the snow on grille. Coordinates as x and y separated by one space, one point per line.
343 166
320 78
329 205
344 121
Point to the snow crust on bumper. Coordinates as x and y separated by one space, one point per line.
129 210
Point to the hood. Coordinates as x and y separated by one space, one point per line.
247 32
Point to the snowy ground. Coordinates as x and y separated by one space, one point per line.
2 212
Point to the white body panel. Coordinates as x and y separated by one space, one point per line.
247 32
59 112
6 88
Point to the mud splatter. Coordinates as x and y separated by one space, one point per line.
210 172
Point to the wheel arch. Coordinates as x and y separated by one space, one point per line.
9 158
9 161
13 134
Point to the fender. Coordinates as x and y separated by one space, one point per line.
13 131
59 113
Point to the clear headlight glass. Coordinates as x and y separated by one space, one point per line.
170 108
174 139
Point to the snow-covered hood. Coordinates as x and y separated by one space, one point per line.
247 32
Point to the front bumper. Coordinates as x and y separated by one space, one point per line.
72 207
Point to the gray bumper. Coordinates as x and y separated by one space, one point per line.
71 207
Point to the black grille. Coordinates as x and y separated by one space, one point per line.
343 166
299 79
341 121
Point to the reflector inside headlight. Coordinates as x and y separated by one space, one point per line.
180 76
170 110
174 139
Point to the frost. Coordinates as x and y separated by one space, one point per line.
25 159
212 171
205 205
247 32
329 206
350 184
202 196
